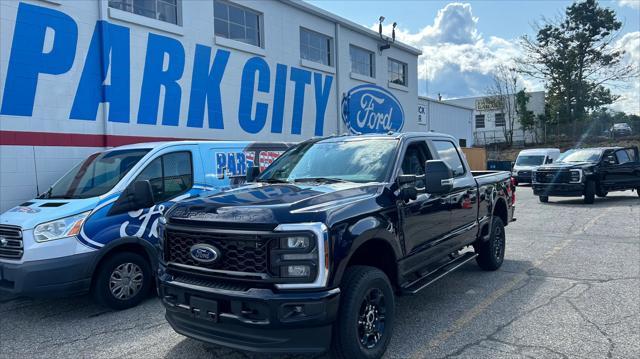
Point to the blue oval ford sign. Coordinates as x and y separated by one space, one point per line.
372 109
205 253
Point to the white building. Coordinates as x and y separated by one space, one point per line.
490 122
448 118
79 76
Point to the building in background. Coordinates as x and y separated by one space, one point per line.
489 121
79 76
449 118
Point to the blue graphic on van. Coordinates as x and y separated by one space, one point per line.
372 109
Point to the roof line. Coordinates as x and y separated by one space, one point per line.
347 23
444 103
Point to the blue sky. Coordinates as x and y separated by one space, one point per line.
463 42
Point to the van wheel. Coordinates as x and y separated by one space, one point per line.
491 252
366 314
544 199
590 192
122 281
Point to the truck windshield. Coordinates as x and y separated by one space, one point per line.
529 160
333 161
96 175
585 155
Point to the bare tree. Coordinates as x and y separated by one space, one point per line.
502 97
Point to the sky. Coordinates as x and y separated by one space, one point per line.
463 42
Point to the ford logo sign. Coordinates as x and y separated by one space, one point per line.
372 109
205 253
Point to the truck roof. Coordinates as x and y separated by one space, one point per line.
392 135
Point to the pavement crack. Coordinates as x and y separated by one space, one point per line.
606 335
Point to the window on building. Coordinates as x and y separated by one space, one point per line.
362 61
500 120
462 142
316 47
479 121
237 23
449 154
169 175
397 72
164 10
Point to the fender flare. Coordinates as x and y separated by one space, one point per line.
103 252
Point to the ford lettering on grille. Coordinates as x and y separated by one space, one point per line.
205 253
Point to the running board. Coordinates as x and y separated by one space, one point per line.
431 277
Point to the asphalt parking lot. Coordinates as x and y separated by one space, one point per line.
569 288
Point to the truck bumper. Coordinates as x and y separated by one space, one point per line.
249 319
54 277
558 189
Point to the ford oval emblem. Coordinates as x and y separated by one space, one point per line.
372 109
205 253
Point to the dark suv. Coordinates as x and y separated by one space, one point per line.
589 172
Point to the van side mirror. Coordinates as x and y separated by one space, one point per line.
549 160
252 173
136 196
407 185
438 177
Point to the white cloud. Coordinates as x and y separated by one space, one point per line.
629 92
635 4
458 61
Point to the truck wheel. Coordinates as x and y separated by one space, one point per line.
366 314
491 252
590 192
544 199
122 281
601 193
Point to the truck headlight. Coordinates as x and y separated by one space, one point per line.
576 176
299 257
60 228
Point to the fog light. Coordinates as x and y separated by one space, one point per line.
297 271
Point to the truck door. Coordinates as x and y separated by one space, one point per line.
463 198
425 220
620 168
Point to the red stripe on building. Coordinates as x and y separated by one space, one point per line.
23 138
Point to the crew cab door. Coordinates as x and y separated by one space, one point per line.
620 168
463 198
424 220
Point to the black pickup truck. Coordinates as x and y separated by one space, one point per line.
589 172
308 257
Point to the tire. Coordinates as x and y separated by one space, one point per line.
134 273
362 286
601 193
590 192
638 191
491 252
544 199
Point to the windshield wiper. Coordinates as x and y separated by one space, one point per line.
319 179
273 180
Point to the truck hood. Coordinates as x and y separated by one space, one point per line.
563 165
262 203
31 213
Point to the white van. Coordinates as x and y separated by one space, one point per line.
529 160
95 229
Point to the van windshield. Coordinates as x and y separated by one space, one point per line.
334 161
96 175
530 160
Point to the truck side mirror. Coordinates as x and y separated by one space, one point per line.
610 160
439 177
252 173
407 185
136 196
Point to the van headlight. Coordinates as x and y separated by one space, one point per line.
299 258
60 228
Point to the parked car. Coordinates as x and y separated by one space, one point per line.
620 130
529 160
589 172
310 255
95 228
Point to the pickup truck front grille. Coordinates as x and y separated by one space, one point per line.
11 245
240 252
553 176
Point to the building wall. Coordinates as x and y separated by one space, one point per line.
492 133
56 109
447 118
